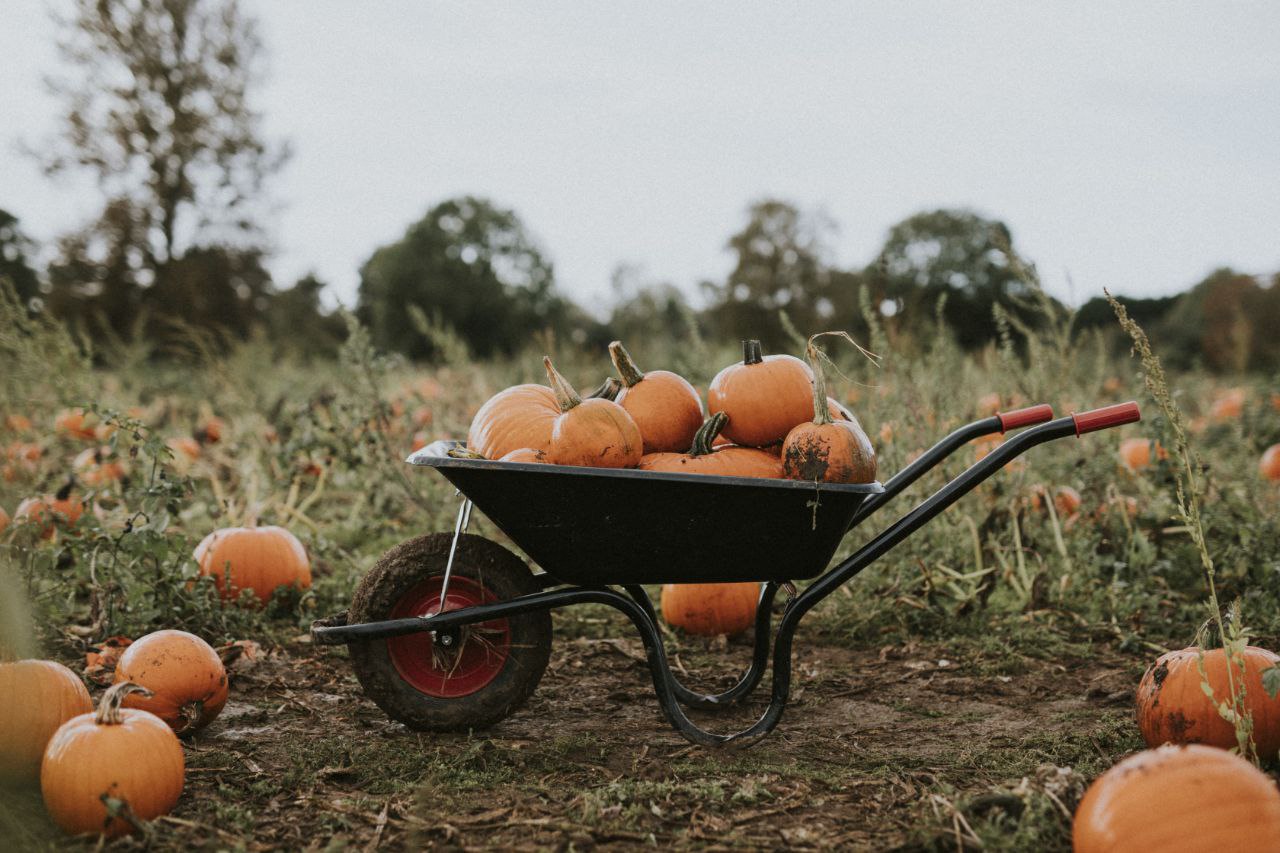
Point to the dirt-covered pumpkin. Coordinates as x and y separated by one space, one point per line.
1187 798
36 697
187 680
827 450
710 609
111 760
764 396
1173 708
663 404
725 460
520 416
592 432
261 559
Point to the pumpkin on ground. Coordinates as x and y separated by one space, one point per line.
4 519
1135 453
36 697
117 757
663 404
1228 405
76 423
710 609
99 466
594 432
1187 798
48 511
1269 464
520 416
261 559
764 396
187 680
827 450
1173 708
17 423
703 457
1066 500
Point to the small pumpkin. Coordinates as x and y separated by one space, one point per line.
1136 453
4 519
48 511
1066 500
117 756
36 697
210 430
1269 464
76 423
1229 405
764 396
1173 708
827 450
710 609
99 466
663 404
594 432
525 454
1187 798
520 416
185 676
703 457
17 423
261 559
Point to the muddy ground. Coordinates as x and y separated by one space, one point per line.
902 746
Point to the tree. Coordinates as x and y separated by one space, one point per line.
953 253
15 248
156 108
297 321
781 265
470 265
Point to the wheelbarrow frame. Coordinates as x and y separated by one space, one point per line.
635 603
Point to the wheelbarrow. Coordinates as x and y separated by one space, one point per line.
452 631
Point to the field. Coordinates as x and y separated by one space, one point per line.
961 693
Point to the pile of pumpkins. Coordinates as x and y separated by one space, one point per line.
770 417
104 771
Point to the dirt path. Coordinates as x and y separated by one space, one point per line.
299 760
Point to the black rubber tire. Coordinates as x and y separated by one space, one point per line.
498 570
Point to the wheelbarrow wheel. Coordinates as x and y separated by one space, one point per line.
470 678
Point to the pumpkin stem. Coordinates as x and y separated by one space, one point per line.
626 366
108 713
751 352
707 433
565 395
821 409
608 390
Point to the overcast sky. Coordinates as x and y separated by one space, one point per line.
1135 146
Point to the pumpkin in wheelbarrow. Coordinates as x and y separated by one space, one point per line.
705 458
764 396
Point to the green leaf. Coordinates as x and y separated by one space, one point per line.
1271 681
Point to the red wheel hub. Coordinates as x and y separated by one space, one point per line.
478 653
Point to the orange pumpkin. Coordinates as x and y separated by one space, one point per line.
261 559
1172 706
525 454
705 458
764 396
1187 798
210 432
124 755
1066 500
827 450
520 416
17 423
4 519
49 511
76 423
594 432
36 697
663 404
1269 464
98 466
188 448
1135 453
1228 405
187 680
710 609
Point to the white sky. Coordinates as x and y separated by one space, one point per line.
1134 146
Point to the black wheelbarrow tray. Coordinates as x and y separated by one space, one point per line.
452 631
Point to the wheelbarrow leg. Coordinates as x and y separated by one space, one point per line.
759 655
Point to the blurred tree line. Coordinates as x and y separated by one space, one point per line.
157 108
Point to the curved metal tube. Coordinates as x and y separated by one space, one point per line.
759 654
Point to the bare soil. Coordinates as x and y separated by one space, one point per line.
875 749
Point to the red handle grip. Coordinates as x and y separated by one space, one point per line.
1106 417
1025 417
